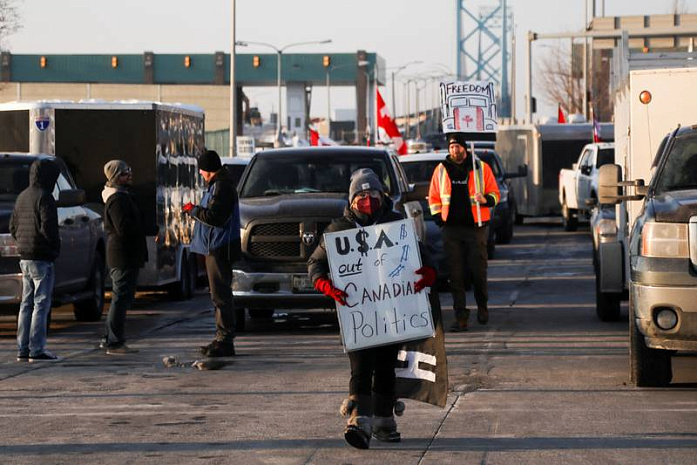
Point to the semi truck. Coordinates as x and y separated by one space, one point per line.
653 183
159 141
545 148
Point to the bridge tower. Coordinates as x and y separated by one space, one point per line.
483 48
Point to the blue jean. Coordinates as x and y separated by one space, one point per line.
123 293
37 286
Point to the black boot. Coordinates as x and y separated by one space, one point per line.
359 427
384 424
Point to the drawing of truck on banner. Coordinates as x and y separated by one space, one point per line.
468 107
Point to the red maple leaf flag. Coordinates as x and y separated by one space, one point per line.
388 125
560 115
314 137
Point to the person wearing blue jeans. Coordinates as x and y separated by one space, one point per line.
34 227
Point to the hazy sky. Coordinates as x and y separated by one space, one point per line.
399 30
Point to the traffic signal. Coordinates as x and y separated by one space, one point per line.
114 61
256 61
43 62
187 61
326 61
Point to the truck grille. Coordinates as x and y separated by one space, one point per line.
284 240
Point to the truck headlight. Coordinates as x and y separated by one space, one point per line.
665 240
8 247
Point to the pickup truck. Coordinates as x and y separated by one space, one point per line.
662 252
80 267
578 186
287 198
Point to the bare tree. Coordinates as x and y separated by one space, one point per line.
9 20
560 86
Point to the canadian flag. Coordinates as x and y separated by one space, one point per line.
387 124
560 115
596 130
317 140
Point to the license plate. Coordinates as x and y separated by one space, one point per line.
301 283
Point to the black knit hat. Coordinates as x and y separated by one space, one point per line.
209 161
456 138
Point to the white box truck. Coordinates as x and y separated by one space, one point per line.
653 260
159 141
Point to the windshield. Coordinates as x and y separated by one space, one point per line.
680 168
297 173
420 171
14 178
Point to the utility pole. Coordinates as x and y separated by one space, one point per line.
233 85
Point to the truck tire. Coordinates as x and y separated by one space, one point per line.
647 367
607 304
91 309
185 288
569 218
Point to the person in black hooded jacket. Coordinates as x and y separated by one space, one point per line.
34 227
372 387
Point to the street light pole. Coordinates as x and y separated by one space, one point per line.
394 73
232 133
279 53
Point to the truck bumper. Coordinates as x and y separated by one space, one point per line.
647 301
11 288
286 291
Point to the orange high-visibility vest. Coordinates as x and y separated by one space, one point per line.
482 180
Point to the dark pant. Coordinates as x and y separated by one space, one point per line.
123 293
219 269
372 371
467 256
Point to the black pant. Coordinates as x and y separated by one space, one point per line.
219 269
123 293
466 249
372 371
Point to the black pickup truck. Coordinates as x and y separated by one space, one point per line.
80 267
287 198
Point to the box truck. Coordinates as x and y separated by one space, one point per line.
653 260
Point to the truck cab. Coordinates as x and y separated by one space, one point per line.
578 186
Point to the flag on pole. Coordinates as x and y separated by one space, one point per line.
314 137
387 124
560 115
596 130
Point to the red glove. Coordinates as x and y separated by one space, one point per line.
428 278
188 207
326 287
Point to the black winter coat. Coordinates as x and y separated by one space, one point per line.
126 247
34 222
318 265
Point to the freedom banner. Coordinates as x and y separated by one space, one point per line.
469 107
376 267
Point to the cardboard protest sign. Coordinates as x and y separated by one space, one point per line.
376 267
469 108
422 366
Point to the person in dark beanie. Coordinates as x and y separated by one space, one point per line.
126 251
217 237
371 400
459 196
34 227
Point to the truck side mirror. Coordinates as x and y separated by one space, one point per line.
418 192
609 188
522 171
71 198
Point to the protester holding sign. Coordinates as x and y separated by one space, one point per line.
462 195
372 387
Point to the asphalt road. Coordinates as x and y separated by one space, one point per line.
543 383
